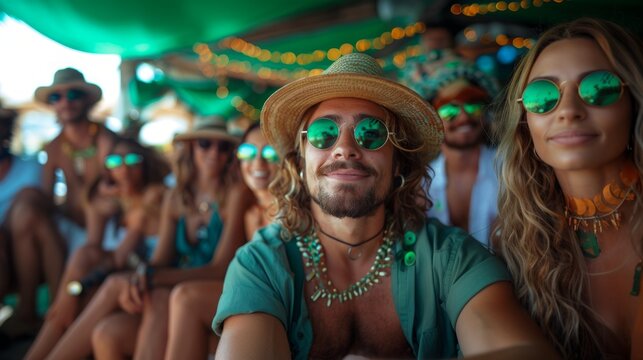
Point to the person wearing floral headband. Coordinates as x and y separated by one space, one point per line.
352 266
464 187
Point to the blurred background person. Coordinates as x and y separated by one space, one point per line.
201 228
193 304
465 186
123 219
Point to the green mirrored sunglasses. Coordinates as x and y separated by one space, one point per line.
369 133
448 112
112 161
247 152
598 88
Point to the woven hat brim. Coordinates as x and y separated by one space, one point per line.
206 134
94 93
282 113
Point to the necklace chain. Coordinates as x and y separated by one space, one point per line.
313 254
353 246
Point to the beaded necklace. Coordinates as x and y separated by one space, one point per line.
313 254
593 214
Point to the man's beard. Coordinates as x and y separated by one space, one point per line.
344 202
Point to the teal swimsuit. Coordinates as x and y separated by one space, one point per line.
199 254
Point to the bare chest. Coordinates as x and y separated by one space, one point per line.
459 191
612 302
368 326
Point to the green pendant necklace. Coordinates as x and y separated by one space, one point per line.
313 254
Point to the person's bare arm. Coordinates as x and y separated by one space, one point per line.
253 336
165 249
238 200
48 170
493 325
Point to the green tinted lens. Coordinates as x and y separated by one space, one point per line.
270 154
246 152
473 109
371 133
132 159
113 161
600 88
322 133
540 96
448 112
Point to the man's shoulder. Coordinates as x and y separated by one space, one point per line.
266 242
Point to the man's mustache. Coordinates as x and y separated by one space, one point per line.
346 165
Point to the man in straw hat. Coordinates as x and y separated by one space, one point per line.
353 266
80 147
464 188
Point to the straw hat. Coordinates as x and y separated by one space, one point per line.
354 75
208 127
69 78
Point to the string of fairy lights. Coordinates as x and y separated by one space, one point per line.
220 66
475 9
217 64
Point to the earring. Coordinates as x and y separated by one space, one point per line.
402 180
301 174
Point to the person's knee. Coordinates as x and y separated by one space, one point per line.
104 335
30 207
182 296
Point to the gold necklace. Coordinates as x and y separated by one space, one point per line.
602 210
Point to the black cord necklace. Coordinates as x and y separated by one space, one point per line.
352 246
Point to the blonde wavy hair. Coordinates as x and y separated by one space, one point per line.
540 250
405 205
186 173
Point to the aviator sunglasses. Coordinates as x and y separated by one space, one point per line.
71 94
448 112
112 161
206 144
369 133
247 152
598 88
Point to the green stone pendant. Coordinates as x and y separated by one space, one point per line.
589 244
636 285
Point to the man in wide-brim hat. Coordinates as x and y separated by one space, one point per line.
47 227
353 266
82 144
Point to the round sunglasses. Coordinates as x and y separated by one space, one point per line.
369 133
221 145
112 161
598 88
448 112
71 95
247 152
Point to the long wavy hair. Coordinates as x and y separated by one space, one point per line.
402 204
541 251
186 173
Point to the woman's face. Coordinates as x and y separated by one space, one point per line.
574 135
257 172
211 156
125 166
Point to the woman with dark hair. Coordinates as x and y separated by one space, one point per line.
570 220
122 212
193 304
201 226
